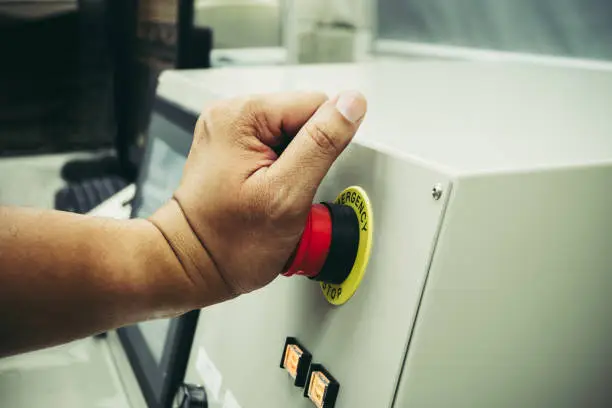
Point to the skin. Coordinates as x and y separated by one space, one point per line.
253 169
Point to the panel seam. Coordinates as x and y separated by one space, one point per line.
422 294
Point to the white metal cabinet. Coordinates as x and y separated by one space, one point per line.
245 337
517 310
495 294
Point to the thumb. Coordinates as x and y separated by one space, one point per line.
306 160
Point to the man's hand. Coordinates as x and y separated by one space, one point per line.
254 167
250 178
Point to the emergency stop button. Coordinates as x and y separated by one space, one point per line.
328 247
335 246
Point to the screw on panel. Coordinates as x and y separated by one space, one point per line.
436 191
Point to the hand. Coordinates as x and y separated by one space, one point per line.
244 205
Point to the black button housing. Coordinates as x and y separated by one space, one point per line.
343 247
296 361
321 387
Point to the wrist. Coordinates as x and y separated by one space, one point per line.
192 258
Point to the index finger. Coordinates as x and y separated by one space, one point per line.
280 116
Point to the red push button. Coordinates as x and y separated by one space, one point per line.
328 247
313 248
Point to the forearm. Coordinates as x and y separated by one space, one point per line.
65 276
242 211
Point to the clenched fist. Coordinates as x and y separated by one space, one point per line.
231 227
248 184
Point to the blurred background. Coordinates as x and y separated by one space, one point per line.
77 77
78 80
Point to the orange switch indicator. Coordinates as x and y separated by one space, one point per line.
296 360
317 388
293 354
321 388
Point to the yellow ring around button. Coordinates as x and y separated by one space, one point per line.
356 198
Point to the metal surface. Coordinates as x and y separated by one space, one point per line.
424 51
129 382
244 338
461 117
436 191
159 379
517 309
77 374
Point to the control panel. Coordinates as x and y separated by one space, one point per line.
456 254
349 295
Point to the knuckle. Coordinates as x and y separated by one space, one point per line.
244 115
253 115
214 111
281 207
208 109
321 136
246 108
251 105
201 129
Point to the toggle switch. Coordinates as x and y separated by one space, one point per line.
328 247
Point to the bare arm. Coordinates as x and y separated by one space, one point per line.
64 276
234 220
